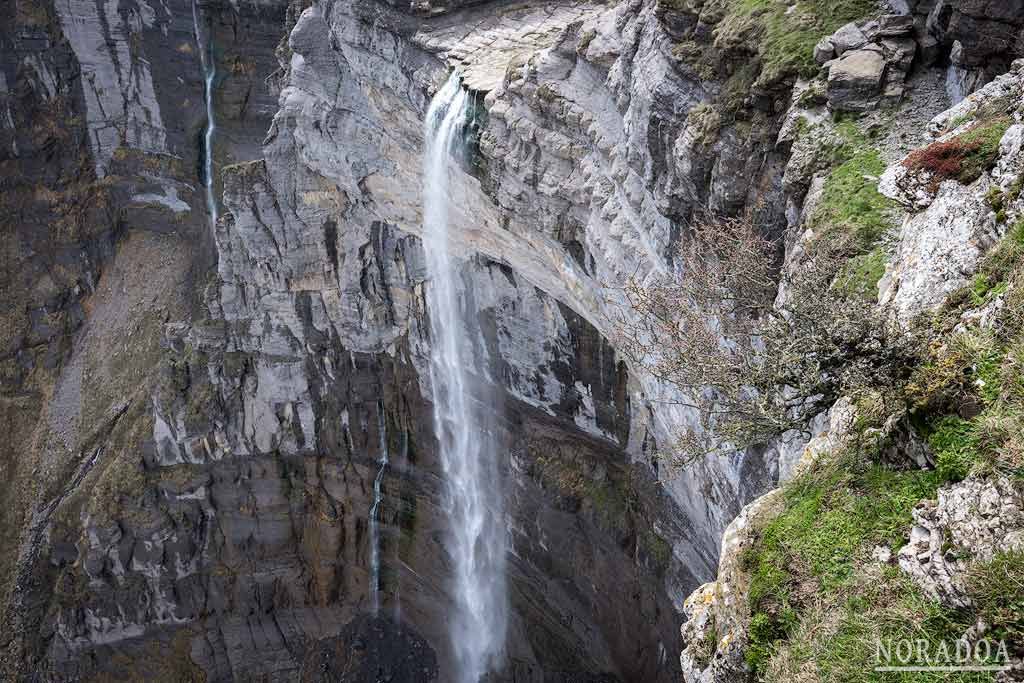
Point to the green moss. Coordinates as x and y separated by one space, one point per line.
656 548
737 88
1016 188
699 56
705 122
861 274
609 500
851 204
708 645
840 640
960 120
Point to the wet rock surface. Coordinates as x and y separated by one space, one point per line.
206 511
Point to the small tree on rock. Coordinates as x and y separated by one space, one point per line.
754 359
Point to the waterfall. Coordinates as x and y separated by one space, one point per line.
375 510
472 495
209 74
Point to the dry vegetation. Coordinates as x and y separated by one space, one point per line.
751 366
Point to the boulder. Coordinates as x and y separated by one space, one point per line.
855 80
891 26
899 52
824 51
848 37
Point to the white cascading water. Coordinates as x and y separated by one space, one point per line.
473 496
378 496
209 74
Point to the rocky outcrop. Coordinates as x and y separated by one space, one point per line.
868 63
970 522
198 412
951 225
715 632
953 217
982 38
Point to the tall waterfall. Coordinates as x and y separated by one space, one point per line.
378 496
473 497
209 74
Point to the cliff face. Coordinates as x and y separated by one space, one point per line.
197 449
196 413
926 457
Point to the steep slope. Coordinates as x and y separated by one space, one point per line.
221 510
903 520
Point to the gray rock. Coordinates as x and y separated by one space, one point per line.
939 250
891 26
928 48
970 522
899 53
718 613
855 81
824 51
848 37
243 540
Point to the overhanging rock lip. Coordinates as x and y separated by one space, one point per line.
481 42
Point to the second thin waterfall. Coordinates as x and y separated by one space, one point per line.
209 77
473 496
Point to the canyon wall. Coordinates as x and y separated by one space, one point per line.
195 412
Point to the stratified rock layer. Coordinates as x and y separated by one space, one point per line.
203 477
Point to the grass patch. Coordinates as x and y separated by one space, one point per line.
783 34
837 638
831 519
861 274
996 269
974 381
851 205
952 440
997 589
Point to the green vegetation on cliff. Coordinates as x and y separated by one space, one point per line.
821 595
833 517
785 33
966 156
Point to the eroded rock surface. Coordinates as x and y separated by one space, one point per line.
970 522
206 512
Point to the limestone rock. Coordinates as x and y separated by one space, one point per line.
939 250
824 50
855 80
891 26
950 226
970 522
848 37
718 613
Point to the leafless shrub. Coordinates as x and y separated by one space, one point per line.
753 365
